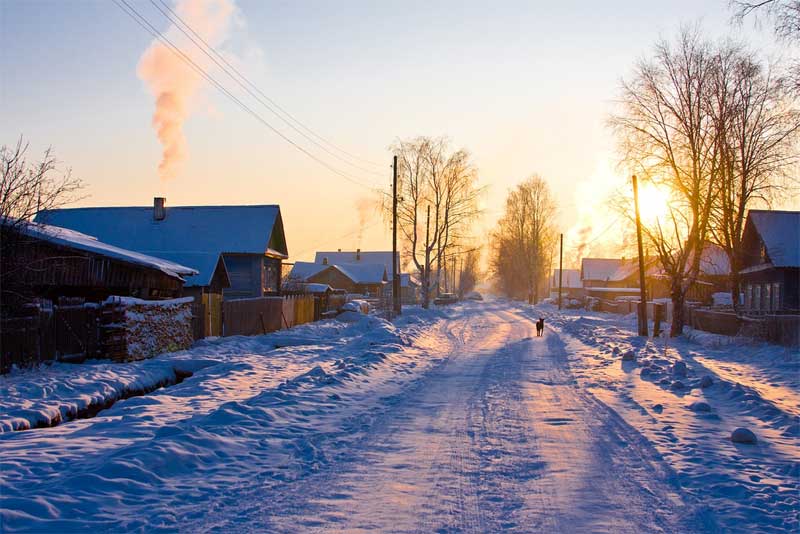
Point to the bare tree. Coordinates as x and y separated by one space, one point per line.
523 240
785 15
27 188
757 127
439 195
667 136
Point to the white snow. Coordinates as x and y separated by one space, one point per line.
77 240
450 420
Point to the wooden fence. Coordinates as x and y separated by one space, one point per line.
247 317
70 332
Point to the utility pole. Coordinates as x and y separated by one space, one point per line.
455 287
426 275
560 269
396 302
643 292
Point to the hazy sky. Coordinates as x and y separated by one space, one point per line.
524 86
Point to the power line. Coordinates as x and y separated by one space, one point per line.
145 24
246 84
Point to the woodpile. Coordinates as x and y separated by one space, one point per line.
135 330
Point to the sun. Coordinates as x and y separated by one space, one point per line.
653 203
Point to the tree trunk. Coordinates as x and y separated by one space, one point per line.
678 296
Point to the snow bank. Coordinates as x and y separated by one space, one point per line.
725 383
275 406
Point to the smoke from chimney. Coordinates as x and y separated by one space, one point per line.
173 83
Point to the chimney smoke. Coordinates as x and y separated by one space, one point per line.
174 84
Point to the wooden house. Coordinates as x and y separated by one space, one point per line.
249 240
571 285
770 273
44 261
409 286
368 279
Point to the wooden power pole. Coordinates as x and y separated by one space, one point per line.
643 292
560 269
396 302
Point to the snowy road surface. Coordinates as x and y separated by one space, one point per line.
458 420
499 438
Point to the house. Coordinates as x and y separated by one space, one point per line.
571 285
596 272
770 273
51 262
245 244
237 250
362 278
409 286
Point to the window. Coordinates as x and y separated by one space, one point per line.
767 296
748 296
757 297
270 275
776 296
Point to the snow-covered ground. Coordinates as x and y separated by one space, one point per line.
453 420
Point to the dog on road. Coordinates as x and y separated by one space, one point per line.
540 327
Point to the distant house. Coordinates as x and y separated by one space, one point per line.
596 272
409 286
770 271
52 262
362 278
570 283
610 278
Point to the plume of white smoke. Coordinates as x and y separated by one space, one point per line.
173 83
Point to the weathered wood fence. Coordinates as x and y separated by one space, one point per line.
247 317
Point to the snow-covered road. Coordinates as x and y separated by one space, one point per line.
497 438
451 420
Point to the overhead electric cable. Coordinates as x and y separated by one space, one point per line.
263 99
145 24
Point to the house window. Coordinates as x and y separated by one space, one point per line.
270 276
767 296
757 297
776 296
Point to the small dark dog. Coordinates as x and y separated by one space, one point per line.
540 327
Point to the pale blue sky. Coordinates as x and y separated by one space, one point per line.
525 86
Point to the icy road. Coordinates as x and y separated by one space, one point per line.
459 420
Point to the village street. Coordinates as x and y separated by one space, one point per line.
500 437
456 419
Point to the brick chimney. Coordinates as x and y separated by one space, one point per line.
159 208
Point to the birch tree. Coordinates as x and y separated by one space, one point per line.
438 190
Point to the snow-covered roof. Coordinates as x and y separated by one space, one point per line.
714 261
204 263
303 270
76 240
780 233
570 279
364 273
599 268
359 273
384 257
194 233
